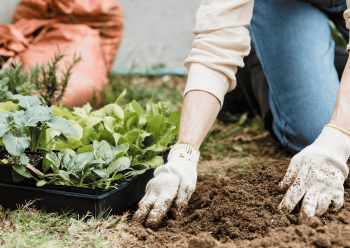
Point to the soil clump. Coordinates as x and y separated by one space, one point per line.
242 212
33 158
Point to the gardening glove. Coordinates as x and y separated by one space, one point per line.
173 183
318 173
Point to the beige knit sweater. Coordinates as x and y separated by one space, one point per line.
221 44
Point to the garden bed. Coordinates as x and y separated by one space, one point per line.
243 212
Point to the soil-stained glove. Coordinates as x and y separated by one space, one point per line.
173 183
318 173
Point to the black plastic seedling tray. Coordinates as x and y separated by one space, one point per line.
6 171
112 201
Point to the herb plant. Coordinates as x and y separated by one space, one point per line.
14 81
48 84
22 128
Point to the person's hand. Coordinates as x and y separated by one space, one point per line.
317 173
172 185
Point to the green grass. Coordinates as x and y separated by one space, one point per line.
29 227
168 88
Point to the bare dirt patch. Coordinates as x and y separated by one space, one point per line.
242 211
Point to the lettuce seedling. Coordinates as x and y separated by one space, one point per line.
97 165
21 129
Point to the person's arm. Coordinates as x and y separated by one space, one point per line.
221 43
318 172
341 112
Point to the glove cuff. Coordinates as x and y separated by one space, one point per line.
184 152
334 141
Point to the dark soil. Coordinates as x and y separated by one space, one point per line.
243 212
33 158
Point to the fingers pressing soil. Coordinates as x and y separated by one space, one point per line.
244 213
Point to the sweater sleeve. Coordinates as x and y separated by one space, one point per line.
222 41
347 21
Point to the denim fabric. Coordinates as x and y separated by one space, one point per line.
294 45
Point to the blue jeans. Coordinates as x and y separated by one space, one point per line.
294 44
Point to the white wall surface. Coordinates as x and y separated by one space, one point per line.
155 31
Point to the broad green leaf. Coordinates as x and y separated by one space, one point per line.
27 101
134 150
153 127
24 159
61 137
89 122
64 175
131 121
119 139
15 145
112 110
86 136
100 173
78 162
7 106
68 151
95 136
161 144
105 150
131 136
127 108
167 135
156 161
56 111
121 148
50 138
118 165
88 148
117 177
72 144
112 124
55 162
175 119
22 170
166 108
141 138
84 111
41 183
150 108
17 177
96 131
138 109
1 143
4 126
141 166
33 115
120 96
95 144
107 136
62 125
97 155
46 165
119 155
78 128
67 114
66 159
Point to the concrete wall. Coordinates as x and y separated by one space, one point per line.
155 31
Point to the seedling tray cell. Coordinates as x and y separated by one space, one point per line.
112 201
6 171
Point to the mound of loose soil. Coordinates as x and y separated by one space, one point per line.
237 211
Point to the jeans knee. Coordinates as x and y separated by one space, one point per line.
301 135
